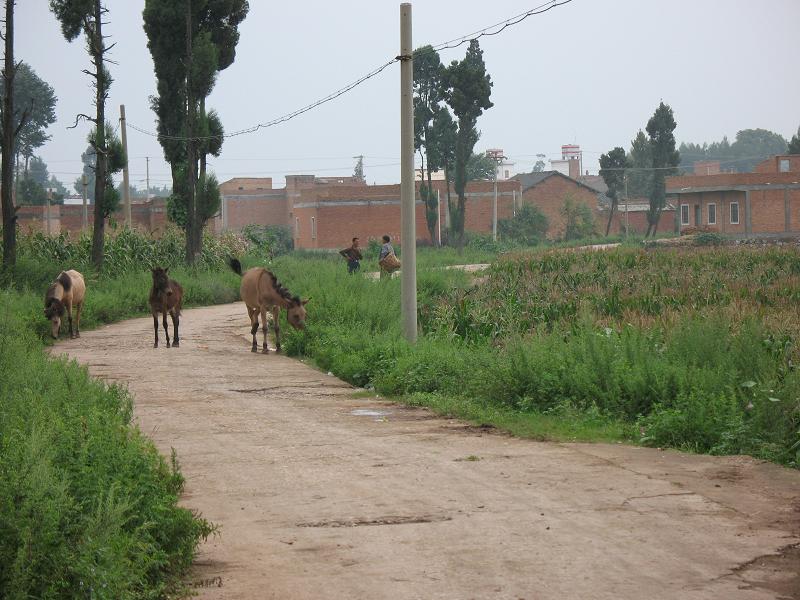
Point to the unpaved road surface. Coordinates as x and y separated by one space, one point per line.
322 495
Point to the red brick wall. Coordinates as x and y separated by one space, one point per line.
549 196
677 182
637 222
772 164
722 200
272 209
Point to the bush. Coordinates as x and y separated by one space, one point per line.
528 227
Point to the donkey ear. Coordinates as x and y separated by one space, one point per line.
166 270
304 302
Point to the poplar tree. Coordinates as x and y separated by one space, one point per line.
665 159
467 90
612 170
87 17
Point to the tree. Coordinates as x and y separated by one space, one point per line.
467 91
115 162
612 170
88 159
794 144
480 167
445 131
428 96
540 164
640 162
10 131
750 147
527 227
190 42
358 172
36 100
665 158
88 17
578 219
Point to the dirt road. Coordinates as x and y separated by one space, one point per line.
323 495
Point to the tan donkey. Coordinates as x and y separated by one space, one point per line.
68 291
261 291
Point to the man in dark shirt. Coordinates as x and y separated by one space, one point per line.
353 256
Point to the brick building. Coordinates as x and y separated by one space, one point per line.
549 191
765 202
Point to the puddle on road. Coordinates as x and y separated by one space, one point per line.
378 415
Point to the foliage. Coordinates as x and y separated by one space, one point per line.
480 167
358 171
467 91
665 158
87 505
794 143
115 162
208 199
528 227
34 99
578 219
750 147
659 343
612 169
640 160
269 240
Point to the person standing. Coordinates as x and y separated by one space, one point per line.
353 256
386 251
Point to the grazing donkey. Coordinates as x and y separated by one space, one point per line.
166 296
260 291
66 292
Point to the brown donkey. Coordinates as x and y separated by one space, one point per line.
166 296
260 291
66 292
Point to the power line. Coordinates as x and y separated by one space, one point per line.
492 30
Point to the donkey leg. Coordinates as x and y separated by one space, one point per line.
265 348
78 311
166 328
155 328
69 320
276 327
253 328
175 321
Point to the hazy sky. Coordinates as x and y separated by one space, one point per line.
590 72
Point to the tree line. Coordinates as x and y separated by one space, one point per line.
190 42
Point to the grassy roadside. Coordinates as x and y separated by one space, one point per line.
88 507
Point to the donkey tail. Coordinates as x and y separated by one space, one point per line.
234 264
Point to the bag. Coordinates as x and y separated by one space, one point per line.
389 263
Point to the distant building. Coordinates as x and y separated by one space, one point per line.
765 202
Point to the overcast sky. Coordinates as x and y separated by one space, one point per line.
590 72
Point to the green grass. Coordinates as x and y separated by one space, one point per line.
88 507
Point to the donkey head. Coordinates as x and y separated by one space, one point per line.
296 313
161 281
53 311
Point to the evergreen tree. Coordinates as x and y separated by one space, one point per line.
665 159
613 166
467 91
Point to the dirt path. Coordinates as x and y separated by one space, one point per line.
321 495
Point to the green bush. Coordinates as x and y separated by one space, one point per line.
528 227
87 505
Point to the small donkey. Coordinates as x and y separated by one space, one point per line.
166 296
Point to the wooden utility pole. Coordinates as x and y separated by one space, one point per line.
126 190
7 169
408 288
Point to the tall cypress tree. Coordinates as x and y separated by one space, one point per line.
665 159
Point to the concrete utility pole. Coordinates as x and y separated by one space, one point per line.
126 190
49 200
85 218
408 288
147 195
497 157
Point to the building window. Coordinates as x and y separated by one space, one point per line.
784 166
734 213
507 173
297 227
698 215
313 228
712 214
684 214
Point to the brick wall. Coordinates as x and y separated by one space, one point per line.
549 196
637 221
773 164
